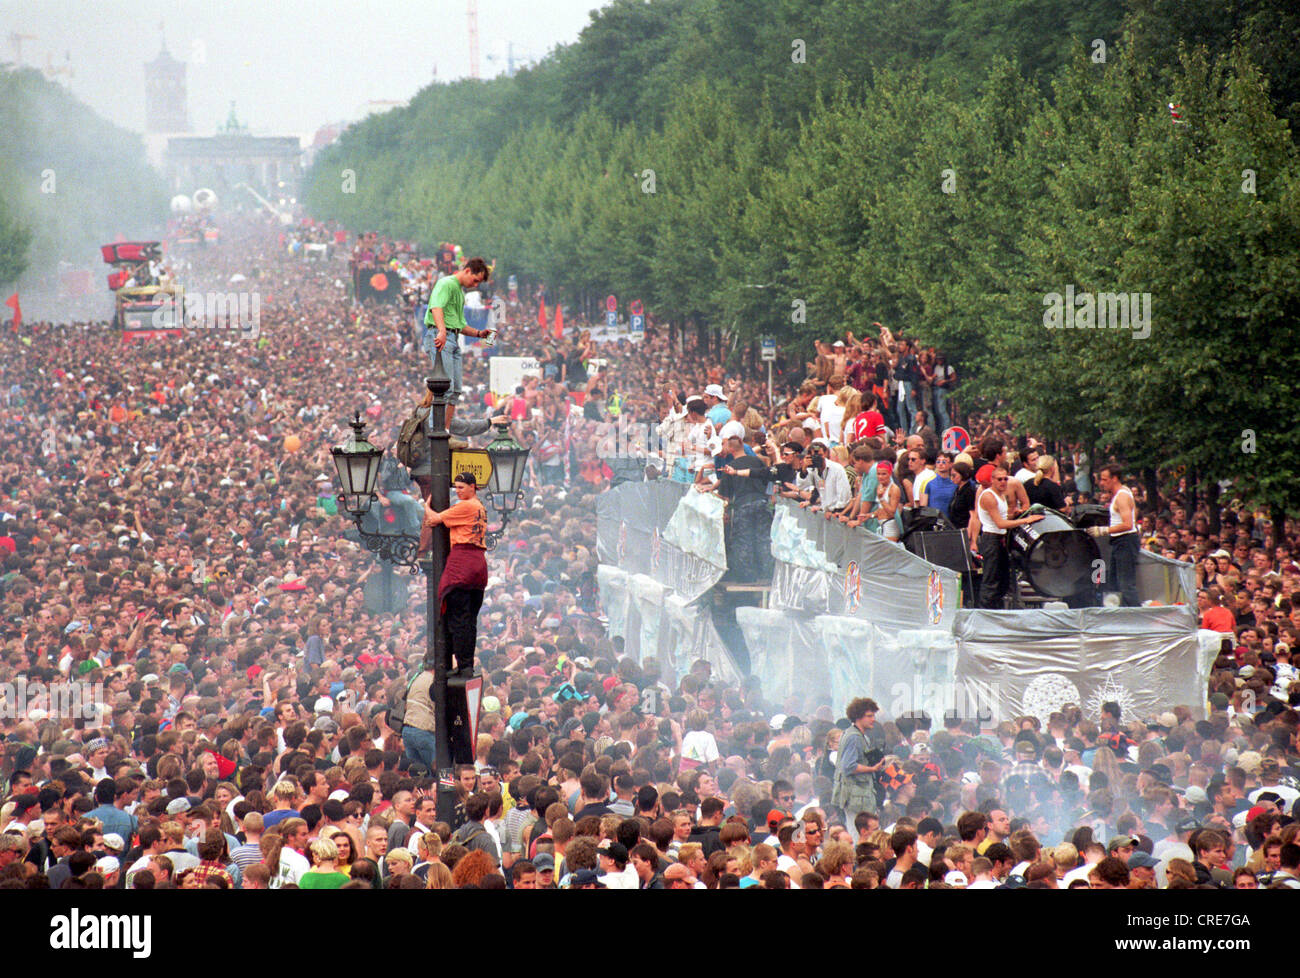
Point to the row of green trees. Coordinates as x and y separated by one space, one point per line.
949 185
69 180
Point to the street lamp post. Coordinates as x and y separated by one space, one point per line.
357 463
435 656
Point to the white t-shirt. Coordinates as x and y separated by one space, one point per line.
832 418
626 880
923 853
1075 874
292 866
699 746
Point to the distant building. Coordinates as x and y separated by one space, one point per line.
270 165
164 95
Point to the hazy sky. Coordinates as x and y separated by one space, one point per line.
289 65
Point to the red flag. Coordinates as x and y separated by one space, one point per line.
541 315
559 323
12 303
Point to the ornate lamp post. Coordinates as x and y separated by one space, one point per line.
357 463
509 464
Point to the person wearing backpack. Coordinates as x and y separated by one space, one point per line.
473 834
418 722
412 446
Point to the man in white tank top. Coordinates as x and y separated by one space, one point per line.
1123 535
991 508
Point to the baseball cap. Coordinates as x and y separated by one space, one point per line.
1141 860
107 864
1196 795
323 705
114 841
544 863
955 877
178 806
585 877
714 390
775 817
616 851
1187 825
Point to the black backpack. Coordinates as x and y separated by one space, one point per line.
412 443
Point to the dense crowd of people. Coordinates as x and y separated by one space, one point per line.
171 543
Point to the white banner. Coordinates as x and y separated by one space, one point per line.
507 373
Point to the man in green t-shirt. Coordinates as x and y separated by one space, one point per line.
445 321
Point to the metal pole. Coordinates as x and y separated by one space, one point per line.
769 385
436 642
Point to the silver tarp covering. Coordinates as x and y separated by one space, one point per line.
1033 662
653 620
825 567
1167 581
851 614
664 530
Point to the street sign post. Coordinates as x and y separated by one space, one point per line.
767 352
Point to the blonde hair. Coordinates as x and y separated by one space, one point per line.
1066 856
400 854
324 850
1045 463
835 858
439 877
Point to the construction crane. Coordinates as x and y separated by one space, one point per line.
472 15
17 39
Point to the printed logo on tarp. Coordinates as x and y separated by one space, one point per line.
852 587
934 597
